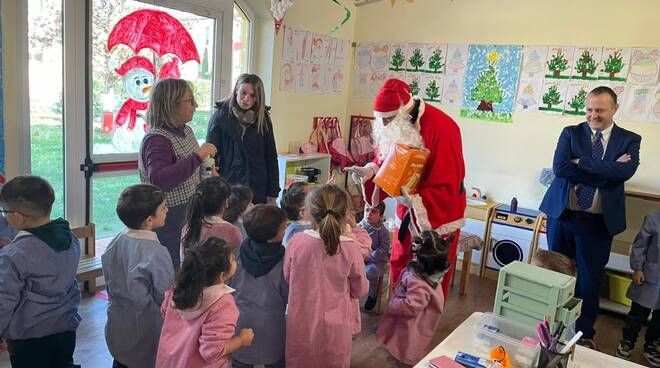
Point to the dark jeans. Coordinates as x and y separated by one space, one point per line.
116 364
236 364
169 234
637 315
53 351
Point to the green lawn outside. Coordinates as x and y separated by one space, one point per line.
48 162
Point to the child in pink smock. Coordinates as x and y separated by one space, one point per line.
414 311
204 216
325 271
200 313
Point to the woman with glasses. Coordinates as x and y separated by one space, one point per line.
170 156
242 131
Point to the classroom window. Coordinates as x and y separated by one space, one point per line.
240 51
45 55
127 64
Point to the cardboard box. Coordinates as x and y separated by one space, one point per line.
403 167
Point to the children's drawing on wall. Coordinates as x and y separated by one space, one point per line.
414 84
456 59
576 97
316 78
288 49
490 82
615 64
637 102
318 48
330 49
151 33
363 56
558 62
361 83
644 66
452 90
654 113
436 58
534 61
379 56
287 77
430 87
301 40
397 57
334 79
341 51
377 80
416 59
586 61
619 88
302 78
529 94
553 96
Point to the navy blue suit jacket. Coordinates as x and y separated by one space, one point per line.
606 174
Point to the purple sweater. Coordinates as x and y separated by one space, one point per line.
162 167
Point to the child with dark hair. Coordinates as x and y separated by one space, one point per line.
137 270
293 203
325 271
39 294
414 311
380 249
199 311
204 217
240 203
262 294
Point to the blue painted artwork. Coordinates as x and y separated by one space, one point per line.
2 120
491 82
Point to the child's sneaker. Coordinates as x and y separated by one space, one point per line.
651 355
625 349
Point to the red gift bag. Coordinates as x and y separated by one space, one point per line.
361 144
331 141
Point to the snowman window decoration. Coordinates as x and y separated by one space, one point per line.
139 77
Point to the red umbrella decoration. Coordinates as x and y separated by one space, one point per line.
156 30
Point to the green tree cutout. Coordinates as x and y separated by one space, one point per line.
614 64
557 64
414 86
552 97
416 60
586 64
578 101
432 91
397 60
487 89
435 62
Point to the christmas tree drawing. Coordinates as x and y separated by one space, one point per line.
577 103
533 64
432 92
456 62
557 64
526 98
586 65
397 60
452 95
551 98
487 89
414 86
613 65
416 60
435 62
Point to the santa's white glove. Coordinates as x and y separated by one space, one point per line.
404 199
360 174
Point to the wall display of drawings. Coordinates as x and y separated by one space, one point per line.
491 80
422 66
312 63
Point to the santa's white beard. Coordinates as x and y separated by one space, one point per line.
399 130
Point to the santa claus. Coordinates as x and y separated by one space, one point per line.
439 203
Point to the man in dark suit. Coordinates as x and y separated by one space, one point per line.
585 203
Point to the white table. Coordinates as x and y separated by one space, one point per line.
461 340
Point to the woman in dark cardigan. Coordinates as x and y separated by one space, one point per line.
242 131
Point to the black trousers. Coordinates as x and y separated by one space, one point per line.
637 315
53 351
236 364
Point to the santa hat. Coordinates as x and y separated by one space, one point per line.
135 62
392 96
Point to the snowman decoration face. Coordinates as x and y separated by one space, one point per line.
138 84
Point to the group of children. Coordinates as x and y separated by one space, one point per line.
240 295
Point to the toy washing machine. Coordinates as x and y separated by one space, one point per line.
512 236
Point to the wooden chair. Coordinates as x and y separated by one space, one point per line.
384 293
89 267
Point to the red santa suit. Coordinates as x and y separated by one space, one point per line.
439 203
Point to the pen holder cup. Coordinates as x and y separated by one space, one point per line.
553 359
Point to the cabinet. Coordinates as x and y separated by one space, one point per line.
289 168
